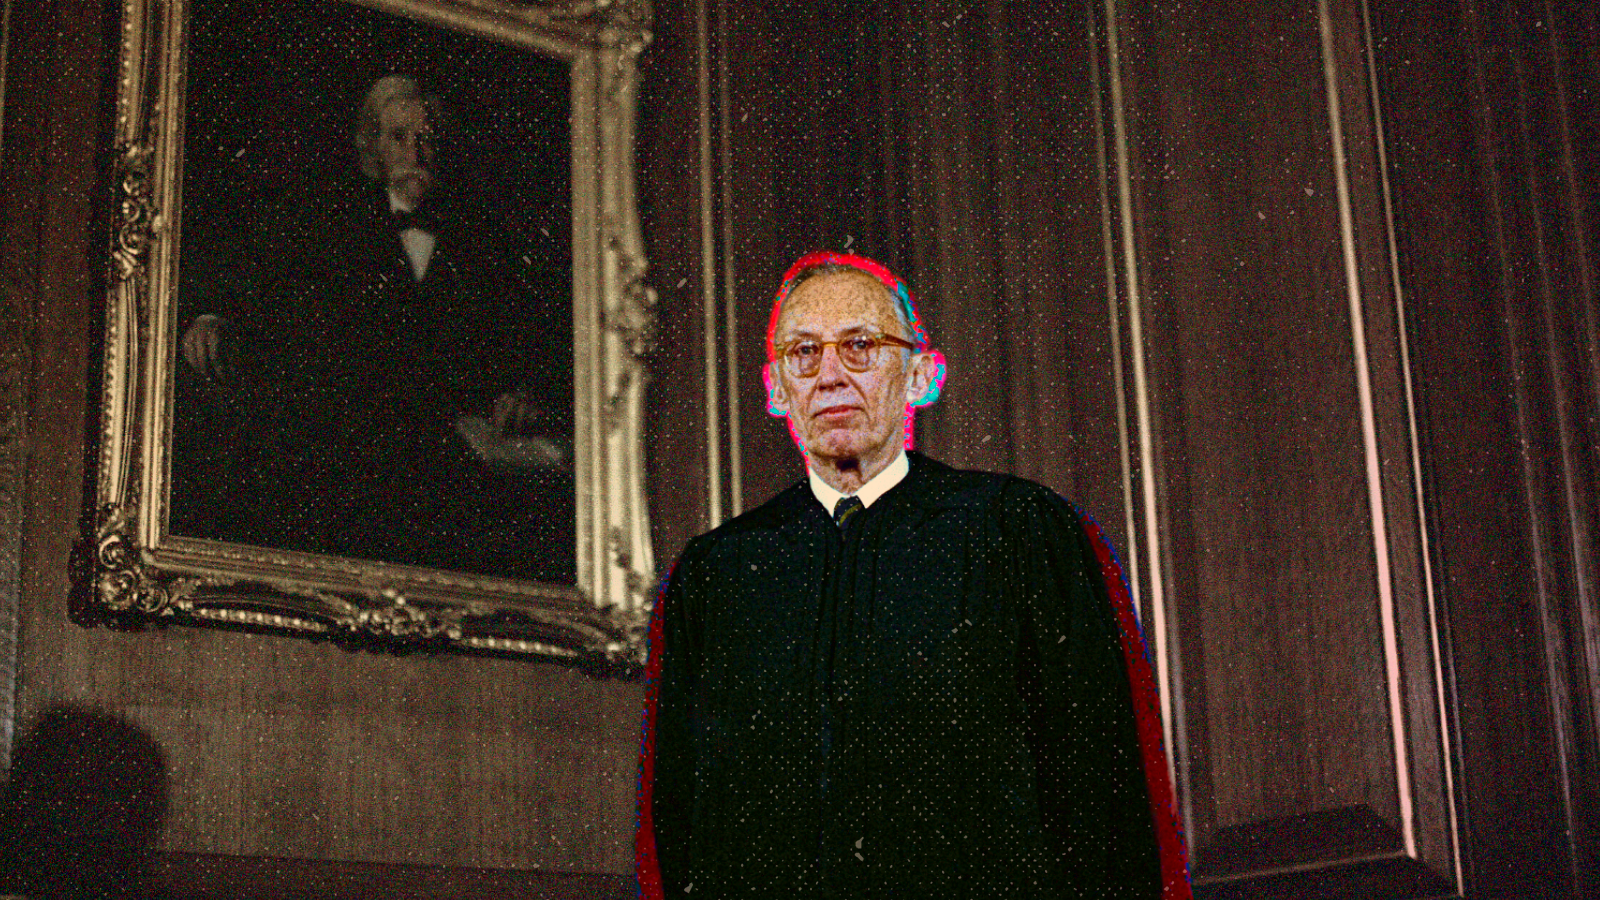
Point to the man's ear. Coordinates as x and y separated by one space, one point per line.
926 379
777 399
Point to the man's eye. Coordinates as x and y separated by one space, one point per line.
859 344
806 349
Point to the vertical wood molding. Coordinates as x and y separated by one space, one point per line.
670 204
708 267
1369 430
1519 213
1108 249
14 365
1151 571
13 369
1580 445
5 55
730 299
1557 474
1436 647
719 304
1572 345
1564 287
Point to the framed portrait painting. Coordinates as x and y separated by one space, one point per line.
376 325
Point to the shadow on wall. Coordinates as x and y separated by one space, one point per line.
84 802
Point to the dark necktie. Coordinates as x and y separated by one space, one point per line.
845 508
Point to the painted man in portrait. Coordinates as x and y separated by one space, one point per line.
402 375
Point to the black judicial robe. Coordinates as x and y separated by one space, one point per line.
932 702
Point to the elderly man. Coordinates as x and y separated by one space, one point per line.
395 143
895 679
410 372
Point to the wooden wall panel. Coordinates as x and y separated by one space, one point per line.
1283 465
676 407
282 748
959 147
1250 337
22 151
1492 130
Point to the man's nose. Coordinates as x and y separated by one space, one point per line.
830 370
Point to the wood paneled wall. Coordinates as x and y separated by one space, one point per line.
1298 298
1288 542
956 144
1356 470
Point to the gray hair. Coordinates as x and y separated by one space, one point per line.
384 91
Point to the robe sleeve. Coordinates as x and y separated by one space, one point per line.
1093 725
666 758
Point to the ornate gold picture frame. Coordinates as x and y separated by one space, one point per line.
167 260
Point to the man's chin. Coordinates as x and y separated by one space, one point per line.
831 448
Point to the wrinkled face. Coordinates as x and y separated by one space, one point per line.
405 148
838 414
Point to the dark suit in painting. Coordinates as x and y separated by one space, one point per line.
362 386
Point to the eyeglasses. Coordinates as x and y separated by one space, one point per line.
858 353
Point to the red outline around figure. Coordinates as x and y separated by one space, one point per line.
646 862
1175 884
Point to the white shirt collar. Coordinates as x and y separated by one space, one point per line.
892 474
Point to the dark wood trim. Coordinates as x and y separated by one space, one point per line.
1515 114
675 413
1495 258
1329 835
13 370
1398 876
